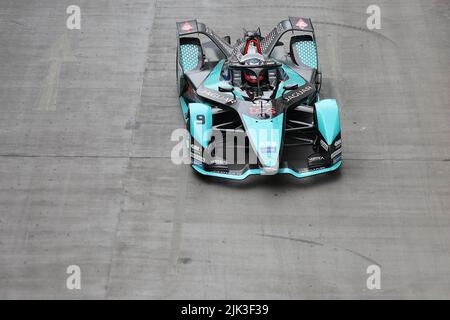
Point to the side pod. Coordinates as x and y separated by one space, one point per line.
200 123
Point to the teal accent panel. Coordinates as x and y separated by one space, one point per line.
259 171
328 119
265 137
184 108
200 123
189 54
213 80
293 78
307 52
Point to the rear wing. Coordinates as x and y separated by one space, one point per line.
269 42
292 24
193 26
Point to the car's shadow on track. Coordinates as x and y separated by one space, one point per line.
276 181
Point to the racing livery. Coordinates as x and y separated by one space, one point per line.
253 107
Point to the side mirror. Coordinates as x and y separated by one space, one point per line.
227 39
290 87
226 88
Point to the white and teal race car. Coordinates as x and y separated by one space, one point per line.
253 107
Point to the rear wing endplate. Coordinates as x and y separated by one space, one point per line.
292 24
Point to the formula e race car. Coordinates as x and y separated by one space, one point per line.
253 107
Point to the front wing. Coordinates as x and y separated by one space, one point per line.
247 172
294 160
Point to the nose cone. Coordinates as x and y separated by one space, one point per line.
265 139
270 171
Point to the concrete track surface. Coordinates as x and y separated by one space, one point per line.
86 177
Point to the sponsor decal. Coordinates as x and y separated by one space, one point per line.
197 157
269 150
335 160
225 172
310 170
186 27
262 110
216 96
338 143
297 93
336 153
301 24
316 158
219 162
324 145
196 150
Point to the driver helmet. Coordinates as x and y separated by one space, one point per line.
252 56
